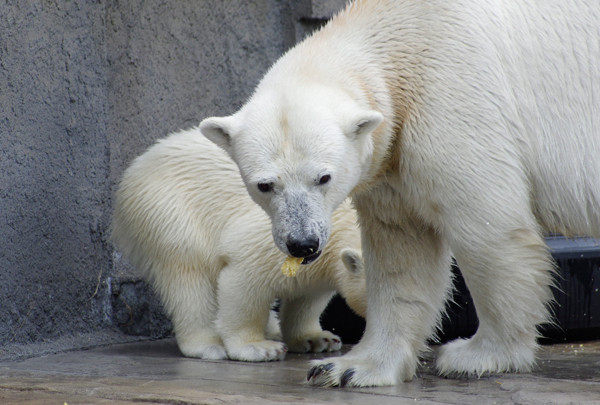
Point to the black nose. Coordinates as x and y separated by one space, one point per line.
302 248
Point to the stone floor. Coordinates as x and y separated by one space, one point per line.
156 373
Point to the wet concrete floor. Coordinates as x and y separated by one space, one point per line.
156 373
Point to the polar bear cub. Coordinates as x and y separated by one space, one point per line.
184 218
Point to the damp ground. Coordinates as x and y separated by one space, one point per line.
156 373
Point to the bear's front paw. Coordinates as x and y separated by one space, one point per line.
354 372
316 342
479 356
265 350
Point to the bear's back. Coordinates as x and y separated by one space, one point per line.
176 199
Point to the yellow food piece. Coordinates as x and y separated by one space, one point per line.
291 265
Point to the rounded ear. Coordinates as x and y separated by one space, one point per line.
366 122
218 130
352 259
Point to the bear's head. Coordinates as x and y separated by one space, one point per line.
352 285
301 149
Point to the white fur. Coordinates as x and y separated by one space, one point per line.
183 217
467 126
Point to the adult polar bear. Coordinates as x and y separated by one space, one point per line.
462 126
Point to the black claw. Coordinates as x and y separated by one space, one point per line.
318 370
346 377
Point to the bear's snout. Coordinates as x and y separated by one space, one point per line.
303 247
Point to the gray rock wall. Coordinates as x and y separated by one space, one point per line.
54 168
85 86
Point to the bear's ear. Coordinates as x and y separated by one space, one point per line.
366 122
218 130
352 259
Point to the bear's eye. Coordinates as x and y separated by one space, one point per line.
265 187
324 179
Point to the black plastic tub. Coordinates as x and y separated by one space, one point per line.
576 308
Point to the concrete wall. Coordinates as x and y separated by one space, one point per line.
85 86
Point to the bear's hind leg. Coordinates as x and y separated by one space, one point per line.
300 324
190 300
244 315
509 274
